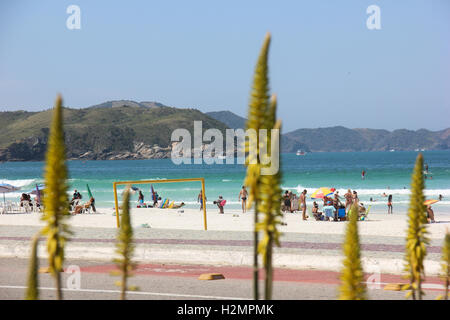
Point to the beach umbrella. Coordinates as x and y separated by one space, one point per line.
91 196
38 194
37 191
321 193
5 188
153 193
89 191
430 202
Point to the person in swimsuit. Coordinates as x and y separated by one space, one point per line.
243 196
430 214
389 204
303 204
287 202
363 174
200 199
348 199
141 198
355 198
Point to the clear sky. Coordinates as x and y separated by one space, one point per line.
326 66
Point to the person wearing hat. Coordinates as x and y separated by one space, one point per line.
329 211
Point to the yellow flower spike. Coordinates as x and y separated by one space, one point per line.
56 199
352 287
125 245
416 239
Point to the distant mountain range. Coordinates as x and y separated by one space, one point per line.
341 139
126 129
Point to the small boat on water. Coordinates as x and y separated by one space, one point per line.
300 153
392 150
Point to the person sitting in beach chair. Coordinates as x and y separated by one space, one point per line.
85 207
330 211
315 211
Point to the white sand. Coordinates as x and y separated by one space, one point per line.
192 219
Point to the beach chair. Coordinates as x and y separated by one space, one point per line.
26 206
74 204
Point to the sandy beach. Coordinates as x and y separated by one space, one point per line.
378 224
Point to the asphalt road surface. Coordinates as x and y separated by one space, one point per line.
180 282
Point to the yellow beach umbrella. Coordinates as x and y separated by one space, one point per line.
321 193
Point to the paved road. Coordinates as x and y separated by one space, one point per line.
162 281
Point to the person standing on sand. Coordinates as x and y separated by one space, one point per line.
389 204
141 198
348 199
243 196
430 214
200 199
355 198
303 204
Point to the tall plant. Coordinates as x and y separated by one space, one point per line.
352 277
416 239
446 264
56 200
270 201
258 106
125 247
32 292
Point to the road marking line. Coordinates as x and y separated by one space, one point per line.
133 292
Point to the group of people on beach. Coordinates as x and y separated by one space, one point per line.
75 205
332 205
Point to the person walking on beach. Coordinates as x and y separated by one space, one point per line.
389 204
303 204
243 196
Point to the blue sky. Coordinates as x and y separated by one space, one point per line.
326 67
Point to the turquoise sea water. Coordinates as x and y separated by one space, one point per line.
388 172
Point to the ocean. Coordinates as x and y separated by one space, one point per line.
388 172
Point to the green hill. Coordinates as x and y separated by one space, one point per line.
100 131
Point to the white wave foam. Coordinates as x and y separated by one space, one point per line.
19 182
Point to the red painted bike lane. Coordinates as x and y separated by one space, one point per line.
246 273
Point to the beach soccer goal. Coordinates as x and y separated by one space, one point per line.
116 201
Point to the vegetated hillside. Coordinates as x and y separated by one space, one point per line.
102 132
231 119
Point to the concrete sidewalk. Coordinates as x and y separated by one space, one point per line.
234 248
